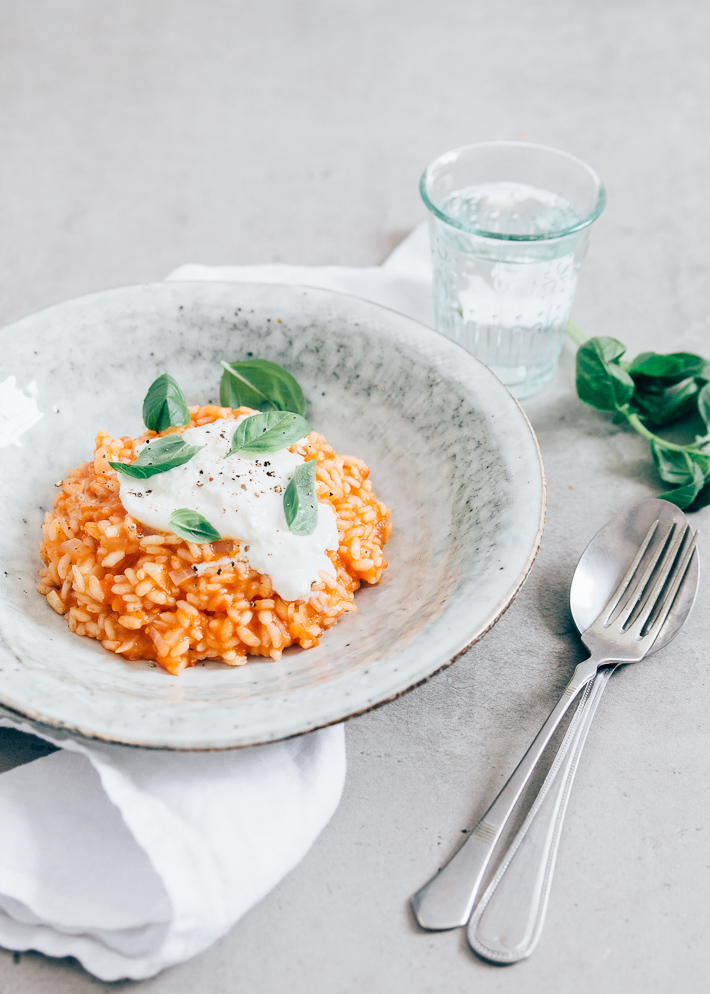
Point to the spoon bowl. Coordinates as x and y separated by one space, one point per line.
606 559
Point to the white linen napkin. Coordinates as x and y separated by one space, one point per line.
403 282
132 860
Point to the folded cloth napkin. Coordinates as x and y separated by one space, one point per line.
403 282
132 860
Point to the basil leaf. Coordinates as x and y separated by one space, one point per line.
158 456
673 467
702 499
653 390
601 382
666 369
684 496
661 409
261 385
704 404
164 405
268 432
679 467
300 501
192 526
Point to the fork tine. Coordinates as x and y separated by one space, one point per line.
613 601
665 605
637 592
660 578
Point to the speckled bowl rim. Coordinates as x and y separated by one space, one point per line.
60 729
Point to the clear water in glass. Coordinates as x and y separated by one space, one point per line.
507 302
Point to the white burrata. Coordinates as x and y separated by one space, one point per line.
242 497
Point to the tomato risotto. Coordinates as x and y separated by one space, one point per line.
152 594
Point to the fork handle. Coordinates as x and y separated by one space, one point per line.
508 921
447 900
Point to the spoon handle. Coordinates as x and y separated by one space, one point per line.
447 899
508 922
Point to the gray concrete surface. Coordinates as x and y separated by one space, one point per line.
136 136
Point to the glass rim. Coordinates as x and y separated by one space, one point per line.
500 236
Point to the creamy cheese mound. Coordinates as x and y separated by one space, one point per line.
242 497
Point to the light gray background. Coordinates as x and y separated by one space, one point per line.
136 136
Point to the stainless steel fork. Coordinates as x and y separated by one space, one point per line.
624 632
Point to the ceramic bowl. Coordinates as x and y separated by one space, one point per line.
449 449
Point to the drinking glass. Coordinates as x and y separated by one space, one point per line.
509 225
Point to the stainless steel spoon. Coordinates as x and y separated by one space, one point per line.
650 571
508 921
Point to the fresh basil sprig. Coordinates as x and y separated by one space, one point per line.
601 382
300 501
261 385
268 432
164 405
192 526
653 391
158 456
